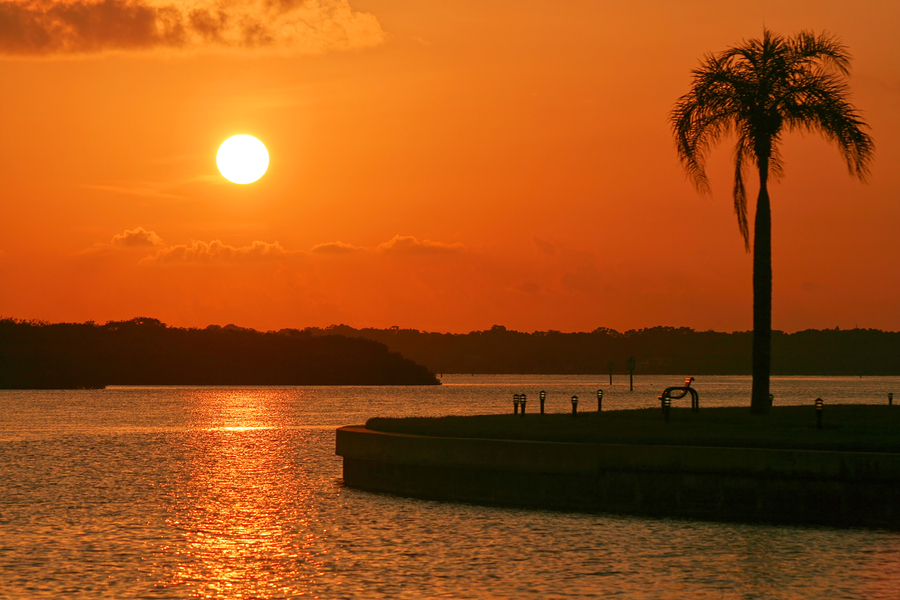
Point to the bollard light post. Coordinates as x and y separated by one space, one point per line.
820 404
666 403
890 398
771 399
522 400
599 400
543 397
631 364
574 406
515 404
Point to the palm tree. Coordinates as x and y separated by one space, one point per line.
757 91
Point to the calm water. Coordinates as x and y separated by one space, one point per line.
236 493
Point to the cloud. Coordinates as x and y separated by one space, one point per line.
544 247
53 27
136 238
127 240
334 248
528 287
215 250
131 191
407 244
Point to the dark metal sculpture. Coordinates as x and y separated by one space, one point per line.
678 392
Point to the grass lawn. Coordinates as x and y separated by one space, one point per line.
848 427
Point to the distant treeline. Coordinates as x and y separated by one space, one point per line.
145 351
661 350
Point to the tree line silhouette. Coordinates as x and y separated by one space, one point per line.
658 350
144 351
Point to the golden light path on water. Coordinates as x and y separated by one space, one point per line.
241 490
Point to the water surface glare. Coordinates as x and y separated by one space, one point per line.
236 493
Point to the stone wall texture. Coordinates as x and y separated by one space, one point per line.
732 484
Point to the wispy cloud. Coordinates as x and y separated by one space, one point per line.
65 27
136 238
544 247
131 190
216 250
335 248
198 251
130 239
527 287
407 244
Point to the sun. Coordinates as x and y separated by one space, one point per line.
242 159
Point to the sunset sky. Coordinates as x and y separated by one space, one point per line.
443 166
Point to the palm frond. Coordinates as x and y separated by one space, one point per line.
740 191
757 90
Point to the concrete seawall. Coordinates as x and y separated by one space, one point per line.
743 484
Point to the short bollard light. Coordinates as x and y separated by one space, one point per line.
522 400
771 399
599 400
574 406
820 404
515 404
543 397
666 403
890 398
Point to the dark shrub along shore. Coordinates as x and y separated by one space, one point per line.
720 464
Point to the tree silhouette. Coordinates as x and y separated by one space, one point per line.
757 91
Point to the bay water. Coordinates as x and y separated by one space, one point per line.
235 492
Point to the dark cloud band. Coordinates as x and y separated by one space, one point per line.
48 27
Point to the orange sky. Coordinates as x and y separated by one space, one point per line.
444 166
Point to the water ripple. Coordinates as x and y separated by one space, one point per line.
236 493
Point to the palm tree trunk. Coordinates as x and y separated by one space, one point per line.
762 295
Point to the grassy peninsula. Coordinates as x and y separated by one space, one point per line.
847 427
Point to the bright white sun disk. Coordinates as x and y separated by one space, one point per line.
242 159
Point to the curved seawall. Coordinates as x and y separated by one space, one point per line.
743 484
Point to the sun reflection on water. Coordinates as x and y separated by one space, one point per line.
238 507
